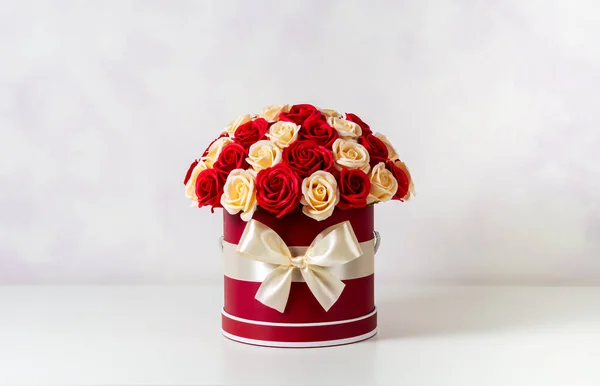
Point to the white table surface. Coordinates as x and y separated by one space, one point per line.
427 336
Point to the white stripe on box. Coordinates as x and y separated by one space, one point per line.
325 343
315 324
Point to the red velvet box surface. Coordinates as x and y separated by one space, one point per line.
304 322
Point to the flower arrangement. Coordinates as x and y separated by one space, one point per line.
292 156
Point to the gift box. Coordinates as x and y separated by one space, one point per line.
298 186
302 321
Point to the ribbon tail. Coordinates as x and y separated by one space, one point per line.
325 287
275 289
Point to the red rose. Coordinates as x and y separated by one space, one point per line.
354 118
215 140
250 132
354 185
402 177
298 113
189 172
233 156
278 189
209 188
378 152
316 128
306 157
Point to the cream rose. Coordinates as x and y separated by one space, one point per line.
346 129
233 125
263 154
320 195
329 113
383 184
350 155
239 194
271 113
190 187
283 133
391 151
214 150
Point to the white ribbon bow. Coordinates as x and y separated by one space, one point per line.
336 245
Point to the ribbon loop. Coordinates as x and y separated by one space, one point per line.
334 246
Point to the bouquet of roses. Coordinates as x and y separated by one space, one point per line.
299 155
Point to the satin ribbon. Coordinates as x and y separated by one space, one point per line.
336 245
238 267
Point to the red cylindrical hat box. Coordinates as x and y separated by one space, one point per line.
304 322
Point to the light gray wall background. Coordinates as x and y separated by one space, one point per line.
494 105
